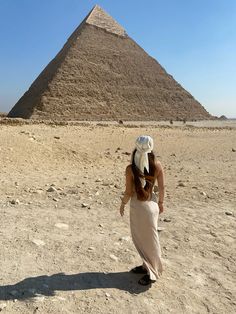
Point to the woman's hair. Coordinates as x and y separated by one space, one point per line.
143 193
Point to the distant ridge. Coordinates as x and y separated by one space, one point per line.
102 74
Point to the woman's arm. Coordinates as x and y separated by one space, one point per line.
161 185
128 189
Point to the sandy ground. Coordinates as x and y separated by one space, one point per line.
64 247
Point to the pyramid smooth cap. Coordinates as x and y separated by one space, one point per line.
99 18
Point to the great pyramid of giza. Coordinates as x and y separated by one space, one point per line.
102 74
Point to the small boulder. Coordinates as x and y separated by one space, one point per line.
62 226
51 189
38 242
84 205
167 219
113 257
15 202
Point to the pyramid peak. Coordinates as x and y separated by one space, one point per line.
99 18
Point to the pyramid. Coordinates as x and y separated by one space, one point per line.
102 74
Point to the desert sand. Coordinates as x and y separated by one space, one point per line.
64 247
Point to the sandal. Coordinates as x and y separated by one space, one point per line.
145 280
139 270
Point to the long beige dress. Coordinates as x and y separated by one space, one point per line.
143 225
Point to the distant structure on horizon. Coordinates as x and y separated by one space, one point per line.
102 74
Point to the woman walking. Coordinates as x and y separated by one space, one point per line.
141 176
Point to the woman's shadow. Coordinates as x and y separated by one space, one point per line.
48 285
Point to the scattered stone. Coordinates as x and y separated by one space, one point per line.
55 199
213 234
57 137
167 219
73 191
203 193
159 229
100 225
84 205
2 306
97 193
62 193
217 253
113 257
126 153
15 202
51 189
91 248
62 226
126 238
181 184
107 295
233 150
117 186
173 155
194 187
228 213
38 242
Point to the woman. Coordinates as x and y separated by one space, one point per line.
140 178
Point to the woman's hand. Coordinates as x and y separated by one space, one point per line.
161 207
122 209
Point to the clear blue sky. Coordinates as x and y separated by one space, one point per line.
195 41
